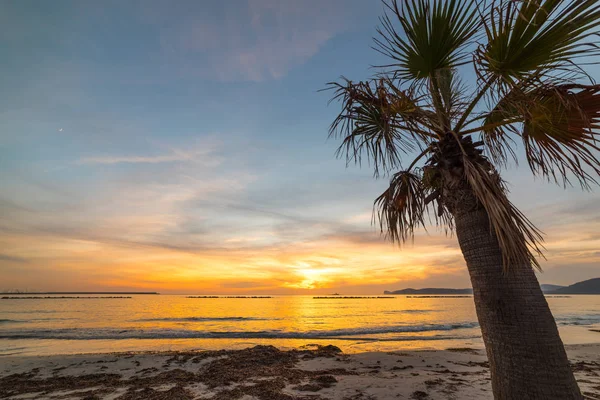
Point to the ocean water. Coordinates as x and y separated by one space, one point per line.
163 322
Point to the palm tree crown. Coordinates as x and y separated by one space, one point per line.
527 57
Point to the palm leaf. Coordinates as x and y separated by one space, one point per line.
532 35
502 122
452 93
432 35
516 235
559 126
401 208
380 120
560 133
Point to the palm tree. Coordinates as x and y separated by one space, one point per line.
528 58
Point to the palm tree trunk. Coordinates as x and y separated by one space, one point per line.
527 357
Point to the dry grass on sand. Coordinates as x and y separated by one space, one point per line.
264 372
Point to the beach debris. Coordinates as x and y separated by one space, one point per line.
418 395
396 368
433 382
311 372
147 393
317 383
360 395
468 350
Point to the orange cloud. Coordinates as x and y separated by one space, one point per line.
316 264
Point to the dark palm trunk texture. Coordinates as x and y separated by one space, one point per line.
527 357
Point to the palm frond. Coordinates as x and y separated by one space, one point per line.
380 120
516 235
497 128
452 93
498 144
529 36
432 35
401 208
560 133
559 125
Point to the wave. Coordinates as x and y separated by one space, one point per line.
350 334
410 311
204 319
586 319
33 312
11 351
25 321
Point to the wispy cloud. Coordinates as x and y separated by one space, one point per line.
12 259
203 154
136 159
258 39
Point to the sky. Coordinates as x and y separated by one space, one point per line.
181 147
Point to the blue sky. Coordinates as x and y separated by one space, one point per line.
182 146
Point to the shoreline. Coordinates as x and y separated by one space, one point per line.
265 372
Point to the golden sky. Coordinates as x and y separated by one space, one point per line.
121 257
183 150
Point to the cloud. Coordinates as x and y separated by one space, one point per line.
204 155
132 159
253 40
242 285
12 259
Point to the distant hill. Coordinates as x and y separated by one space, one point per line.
430 291
547 288
591 286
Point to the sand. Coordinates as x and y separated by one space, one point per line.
264 372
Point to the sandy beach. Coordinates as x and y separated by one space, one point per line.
265 372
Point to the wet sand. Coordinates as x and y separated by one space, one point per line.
264 372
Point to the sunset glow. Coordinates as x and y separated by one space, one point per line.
183 154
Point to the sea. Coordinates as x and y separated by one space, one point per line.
44 326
